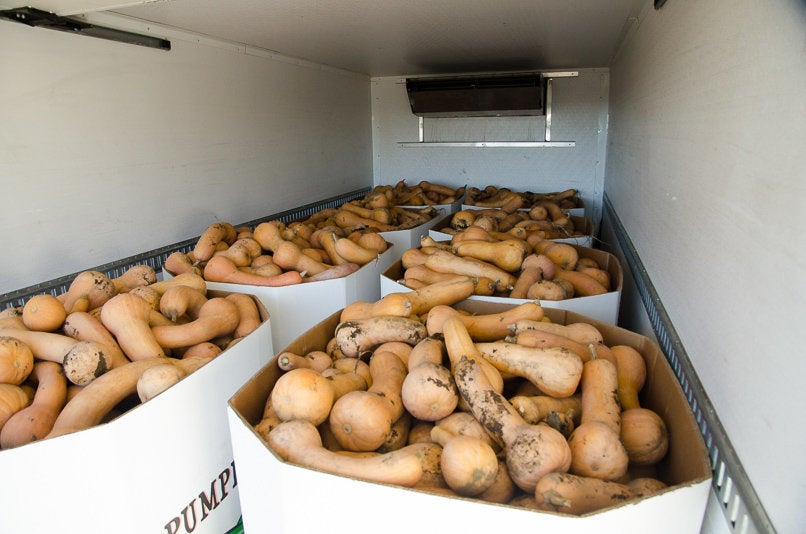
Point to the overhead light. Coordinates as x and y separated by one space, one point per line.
44 19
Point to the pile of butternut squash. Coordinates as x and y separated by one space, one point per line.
506 407
330 244
424 193
507 266
545 220
504 198
68 361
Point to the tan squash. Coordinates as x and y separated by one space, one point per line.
248 314
83 326
36 420
358 336
126 316
573 494
332 273
180 301
86 361
12 400
526 461
179 262
485 326
222 269
134 276
554 370
298 441
217 316
429 392
95 400
584 333
507 254
644 435
535 408
446 262
214 234
43 312
92 284
459 345
302 393
597 450
16 361
631 372
362 420
468 465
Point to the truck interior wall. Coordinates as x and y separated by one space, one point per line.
579 114
108 150
705 167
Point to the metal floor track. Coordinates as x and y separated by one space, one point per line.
740 503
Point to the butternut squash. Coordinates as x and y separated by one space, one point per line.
210 237
584 333
33 422
248 314
554 370
83 326
289 256
631 374
298 441
95 400
584 285
217 317
95 285
302 393
331 273
126 316
179 262
358 421
86 361
429 392
644 435
222 269
485 326
507 255
358 336
12 400
185 279
576 495
43 312
179 301
531 450
16 361
535 408
459 344
446 262
134 276
469 465
597 450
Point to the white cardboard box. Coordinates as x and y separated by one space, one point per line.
585 240
406 239
295 308
276 496
165 466
604 307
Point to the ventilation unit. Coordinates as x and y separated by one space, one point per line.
477 96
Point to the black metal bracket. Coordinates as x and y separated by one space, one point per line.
38 18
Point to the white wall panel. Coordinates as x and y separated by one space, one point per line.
705 169
579 114
108 149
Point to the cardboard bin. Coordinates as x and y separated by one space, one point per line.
296 308
604 307
276 496
165 465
